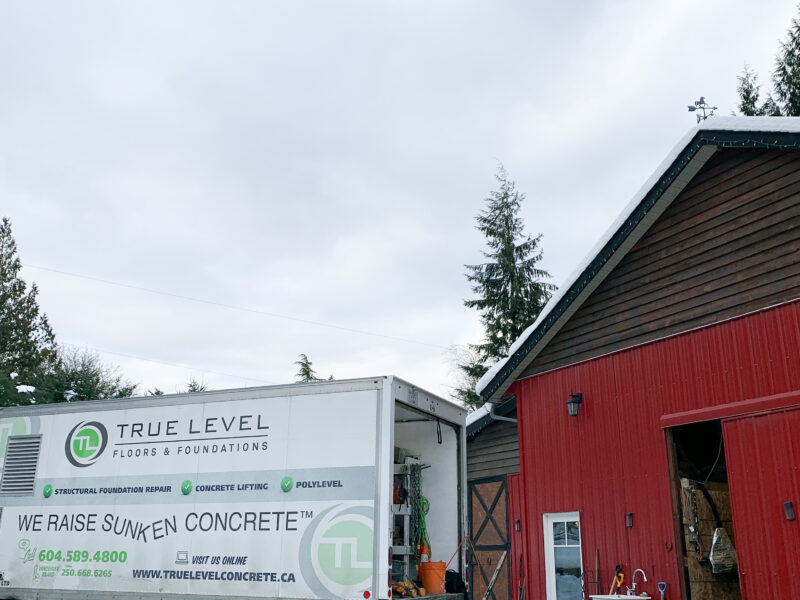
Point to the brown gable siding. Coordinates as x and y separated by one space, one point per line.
729 244
493 451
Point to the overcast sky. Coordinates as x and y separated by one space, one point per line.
310 171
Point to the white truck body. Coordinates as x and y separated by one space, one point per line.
269 492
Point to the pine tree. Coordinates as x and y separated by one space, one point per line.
511 289
749 91
27 343
470 369
195 386
305 372
786 76
785 82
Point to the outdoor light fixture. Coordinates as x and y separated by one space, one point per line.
629 520
574 402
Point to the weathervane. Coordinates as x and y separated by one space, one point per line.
701 105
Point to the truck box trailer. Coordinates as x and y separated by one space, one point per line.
315 490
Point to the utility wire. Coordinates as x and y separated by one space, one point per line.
233 307
171 364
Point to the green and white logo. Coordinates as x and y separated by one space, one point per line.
186 487
47 491
85 443
287 483
336 551
345 551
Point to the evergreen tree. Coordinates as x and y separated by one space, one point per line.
305 372
470 369
195 386
511 289
80 374
785 81
786 76
30 359
749 91
155 392
28 349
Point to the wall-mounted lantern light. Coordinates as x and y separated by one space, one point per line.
574 402
629 520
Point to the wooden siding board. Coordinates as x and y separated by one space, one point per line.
493 451
727 246
692 235
492 445
697 207
494 459
742 297
500 447
492 473
780 235
499 464
733 161
752 232
640 259
762 213
720 283
746 308
488 460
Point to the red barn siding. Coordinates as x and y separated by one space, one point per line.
763 453
612 459
516 555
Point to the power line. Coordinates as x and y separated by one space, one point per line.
171 364
233 307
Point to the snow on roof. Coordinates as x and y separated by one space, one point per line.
744 124
477 415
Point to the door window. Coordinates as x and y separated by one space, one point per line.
562 545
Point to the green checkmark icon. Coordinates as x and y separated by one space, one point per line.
186 487
286 484
47 491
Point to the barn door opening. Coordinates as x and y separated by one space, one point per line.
702 500
488 503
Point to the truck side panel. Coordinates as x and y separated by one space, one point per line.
259 497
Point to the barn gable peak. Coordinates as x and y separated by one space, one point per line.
628 234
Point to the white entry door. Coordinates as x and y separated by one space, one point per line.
562 556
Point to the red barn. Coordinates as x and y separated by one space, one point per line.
658 394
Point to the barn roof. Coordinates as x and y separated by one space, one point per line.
485 415
672 175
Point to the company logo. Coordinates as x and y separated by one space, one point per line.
85 443
336 551
345 551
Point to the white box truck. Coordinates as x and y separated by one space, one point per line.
292 491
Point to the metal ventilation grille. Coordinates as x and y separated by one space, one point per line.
19 470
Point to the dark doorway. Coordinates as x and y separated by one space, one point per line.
703 511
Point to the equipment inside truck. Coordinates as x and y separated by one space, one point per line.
425 502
